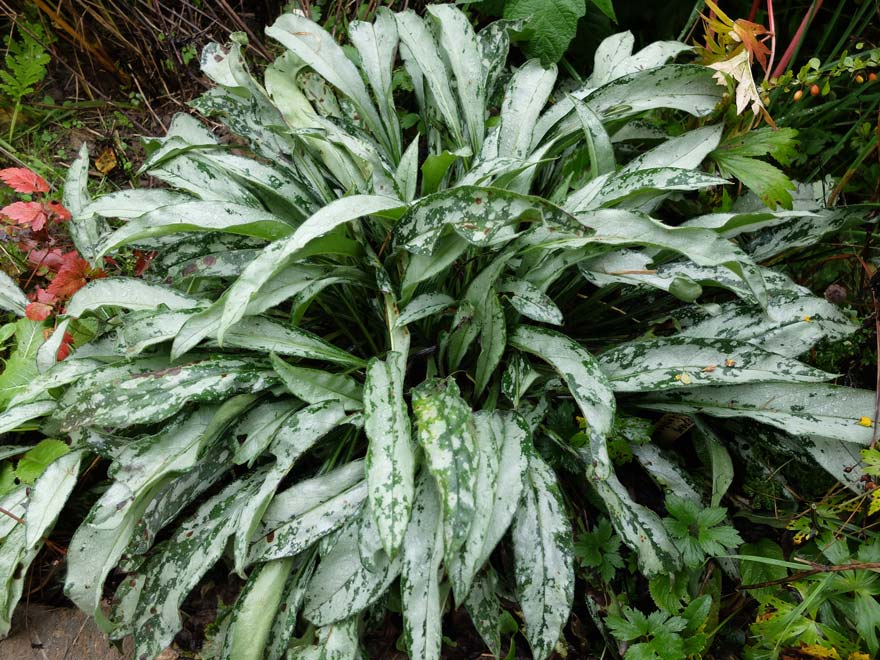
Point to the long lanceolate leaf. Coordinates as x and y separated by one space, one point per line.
342 586
676 362
390 456
141 468
280 253
638 526
183 560
502 443
544 559
830 411
447 435
419 580
312 44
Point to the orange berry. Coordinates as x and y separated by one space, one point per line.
814 90
860 79
798 95
872 77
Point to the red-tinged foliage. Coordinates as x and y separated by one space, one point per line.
52 259
41 307
28 214
748 33
72 276
58 211
37 311
22 180
65 347
143 261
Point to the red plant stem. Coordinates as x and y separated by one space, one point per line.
796 41
772 21
754 10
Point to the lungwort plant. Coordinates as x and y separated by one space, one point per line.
335 375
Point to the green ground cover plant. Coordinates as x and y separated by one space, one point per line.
419 319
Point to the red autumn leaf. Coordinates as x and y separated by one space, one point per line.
29 214
37 311
143 261
57 210
64 349
52 259
22 180
748 33
72 276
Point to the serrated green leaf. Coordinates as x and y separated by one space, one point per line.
552 25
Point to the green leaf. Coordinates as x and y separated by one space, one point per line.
493 341
525 97
436 166
531 302
20 367
342 586
553 25
12 299
482 216
376 44
606 7
424 306
319 50
291 527
419 578
580 371
830 411
462 51
793 322
250 627
447 435
501 439
128 293
152 396
36 460
422 57
484 608
666 363
390 456
296 435
316 385
766 180
173 571
138 472
543 558
197 216
283 627
55 471
278 254
15 416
